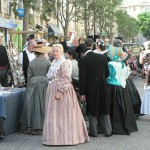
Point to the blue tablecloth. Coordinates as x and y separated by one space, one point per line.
14 91
11 106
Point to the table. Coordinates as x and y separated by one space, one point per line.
11 105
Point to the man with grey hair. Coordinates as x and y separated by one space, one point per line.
76 46
26 57
93 72
145 52
74 42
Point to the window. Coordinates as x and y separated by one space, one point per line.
8 9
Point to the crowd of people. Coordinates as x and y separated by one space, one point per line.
51 106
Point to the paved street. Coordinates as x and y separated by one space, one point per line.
136 141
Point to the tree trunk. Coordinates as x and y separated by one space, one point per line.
85 19
67 19
66 29
94 15
25 21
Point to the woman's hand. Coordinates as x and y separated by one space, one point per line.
58 96
83 98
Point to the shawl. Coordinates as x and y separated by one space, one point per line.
55 65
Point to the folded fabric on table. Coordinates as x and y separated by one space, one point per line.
5 92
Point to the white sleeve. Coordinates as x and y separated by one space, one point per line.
21 58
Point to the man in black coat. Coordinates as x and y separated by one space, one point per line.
93 72
4 64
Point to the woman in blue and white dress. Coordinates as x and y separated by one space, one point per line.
132 90
121 111
145 107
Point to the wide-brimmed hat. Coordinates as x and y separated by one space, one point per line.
42 49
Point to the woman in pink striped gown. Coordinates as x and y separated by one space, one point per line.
64 123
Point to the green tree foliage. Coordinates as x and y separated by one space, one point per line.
85 14
63 11
120 1
143 24
66 12
93 13
98 13
105 13
48 9
126 25
27 3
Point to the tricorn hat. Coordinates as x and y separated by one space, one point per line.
42 49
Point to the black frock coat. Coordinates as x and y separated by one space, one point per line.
93 72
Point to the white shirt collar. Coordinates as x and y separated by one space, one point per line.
88 51
28 52
102 52
55 65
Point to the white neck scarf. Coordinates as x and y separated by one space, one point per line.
55 65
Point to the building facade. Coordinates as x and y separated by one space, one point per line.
134 8
6 20
9 22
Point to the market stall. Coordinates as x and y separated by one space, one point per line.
11 104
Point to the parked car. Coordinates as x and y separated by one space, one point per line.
135 50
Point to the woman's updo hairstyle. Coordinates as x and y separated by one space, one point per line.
101 45
117 43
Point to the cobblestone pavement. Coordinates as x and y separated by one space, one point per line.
136 141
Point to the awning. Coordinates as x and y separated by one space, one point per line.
53 30
7 23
